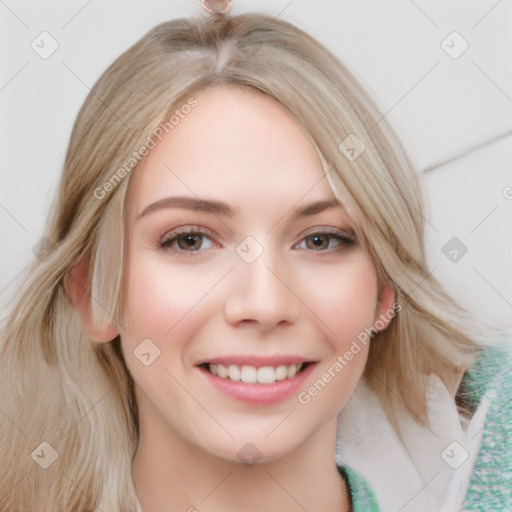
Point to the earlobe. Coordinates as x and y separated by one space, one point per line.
77 287
385 307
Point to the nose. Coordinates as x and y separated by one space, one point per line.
262 295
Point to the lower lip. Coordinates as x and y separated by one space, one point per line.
259 394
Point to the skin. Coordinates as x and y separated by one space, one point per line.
242 148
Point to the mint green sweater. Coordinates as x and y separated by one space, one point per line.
490 487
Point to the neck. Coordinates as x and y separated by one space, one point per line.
172 474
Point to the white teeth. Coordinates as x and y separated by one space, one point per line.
253 375
281 372
290 371
234 372
222 371
267 375
249 374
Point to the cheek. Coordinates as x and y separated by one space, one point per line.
344 307
159 296
168 305
162 305
344 299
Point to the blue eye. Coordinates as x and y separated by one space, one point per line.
186 240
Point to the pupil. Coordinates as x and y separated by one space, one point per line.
190 242
319 241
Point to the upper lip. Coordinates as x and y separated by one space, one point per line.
257 361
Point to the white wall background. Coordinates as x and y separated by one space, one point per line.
453 111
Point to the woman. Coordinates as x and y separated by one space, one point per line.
235 256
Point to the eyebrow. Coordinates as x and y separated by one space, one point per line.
224 209
316 207
190 203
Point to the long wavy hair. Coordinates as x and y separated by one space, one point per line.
64 395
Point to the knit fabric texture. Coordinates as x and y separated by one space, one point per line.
361 494
490 487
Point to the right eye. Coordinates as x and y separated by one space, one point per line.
192 239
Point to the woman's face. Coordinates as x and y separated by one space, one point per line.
242 271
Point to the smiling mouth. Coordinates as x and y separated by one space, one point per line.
255 375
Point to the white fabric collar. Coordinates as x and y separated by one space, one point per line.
425 473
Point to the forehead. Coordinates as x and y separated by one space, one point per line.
236 144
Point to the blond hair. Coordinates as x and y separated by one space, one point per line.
60 387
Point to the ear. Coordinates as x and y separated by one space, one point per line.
77 286
385 306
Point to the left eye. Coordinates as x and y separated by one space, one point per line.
323 241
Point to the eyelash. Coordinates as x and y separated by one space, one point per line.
345 239
169 238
